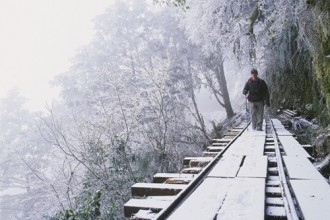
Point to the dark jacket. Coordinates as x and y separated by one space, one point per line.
257 91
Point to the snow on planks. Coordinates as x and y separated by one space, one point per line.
205 201
254 166
311 190
222 188
250 142
144 214
156 189
301 168
292 147
162 177
134 205
283 132
248 145
227 166
231 166
277 124
279 128
245 200
218 197
313 197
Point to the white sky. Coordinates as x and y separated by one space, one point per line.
37 40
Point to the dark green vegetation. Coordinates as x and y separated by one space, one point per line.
300 73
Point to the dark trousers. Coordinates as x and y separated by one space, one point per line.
257 114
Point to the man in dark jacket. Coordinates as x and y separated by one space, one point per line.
257 93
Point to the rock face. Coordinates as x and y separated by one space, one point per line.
322 143
304 83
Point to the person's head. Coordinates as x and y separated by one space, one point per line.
254 73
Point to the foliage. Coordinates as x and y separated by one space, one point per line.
23 152
130 107
322 59
89 209
177 3
302 61
127 109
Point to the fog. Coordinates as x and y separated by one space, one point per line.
98 94
38 39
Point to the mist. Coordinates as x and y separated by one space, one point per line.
97 95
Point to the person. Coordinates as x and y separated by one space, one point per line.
257 94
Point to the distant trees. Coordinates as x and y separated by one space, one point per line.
129 100
130 95
285 39
23 154
98 167
128 109
179 3
129 105
217 28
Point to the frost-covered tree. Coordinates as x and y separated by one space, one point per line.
129 107
24 154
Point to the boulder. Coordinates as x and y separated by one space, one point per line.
322 143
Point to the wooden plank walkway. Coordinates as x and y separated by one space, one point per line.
245 200
134 205
280 129
205 201
162 177
301 168
215 149
283 132
222 140
311 190
292 147
254 166
156 189
187 160
227 167
235 188
192 170
252 144
313 197
277 123
236 182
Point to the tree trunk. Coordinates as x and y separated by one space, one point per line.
221 78
199 117
324 163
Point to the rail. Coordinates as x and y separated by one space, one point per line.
194 184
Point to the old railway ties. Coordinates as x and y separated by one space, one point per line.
162 199
239 177
279 201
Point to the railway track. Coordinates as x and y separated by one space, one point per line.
223 184
280 203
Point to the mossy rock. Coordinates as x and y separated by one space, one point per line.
322 144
